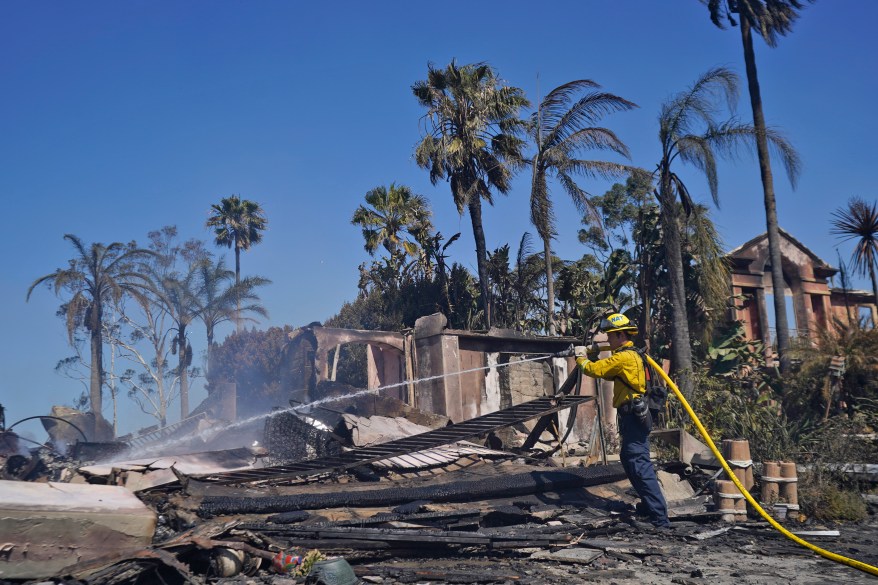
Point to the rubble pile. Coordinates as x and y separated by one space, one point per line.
379 499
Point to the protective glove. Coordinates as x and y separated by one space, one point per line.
594 352
579 352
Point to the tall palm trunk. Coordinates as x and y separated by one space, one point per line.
183 367
237 283
550 287
475 214
874 285
209 347
96 382
774 255
643 286
681 352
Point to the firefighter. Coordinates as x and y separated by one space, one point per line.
626 370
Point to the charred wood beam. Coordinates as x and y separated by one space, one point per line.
462 491
443 519
545 422
517 346
337 545
289 517
413 536
438 517
463 573
139 566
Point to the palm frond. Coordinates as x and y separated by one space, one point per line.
697 151
859 221
593 139
541 215
597 169
552 108
588 110
697 105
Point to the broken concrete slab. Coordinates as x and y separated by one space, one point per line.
580 556
142 474
46 527
190 464
375 430
674 487
628 548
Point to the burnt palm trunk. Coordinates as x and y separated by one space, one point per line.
443 279
475 213
774 255
874 292
681 352
874 285
237 286
550 287
182 371
96 381
209 345
643 285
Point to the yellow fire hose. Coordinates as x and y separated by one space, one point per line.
775 524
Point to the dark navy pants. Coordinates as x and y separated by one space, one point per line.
639 468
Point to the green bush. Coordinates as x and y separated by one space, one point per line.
827 502
731 409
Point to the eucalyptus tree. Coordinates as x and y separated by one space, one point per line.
237 223
392 213
771 19
629 221
97 275
473 140
217 296
562 128
690 131
858 221
148 386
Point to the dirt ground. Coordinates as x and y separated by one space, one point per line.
751 554
757 555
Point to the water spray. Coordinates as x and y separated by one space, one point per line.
302 409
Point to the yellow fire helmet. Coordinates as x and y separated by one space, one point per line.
618 322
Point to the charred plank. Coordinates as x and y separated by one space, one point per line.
462 491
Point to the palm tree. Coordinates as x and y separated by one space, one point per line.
562 131
434 251
237 223
177 295
390 213
689 131
97 275
516 294
770 19
472 140
218 296
859 221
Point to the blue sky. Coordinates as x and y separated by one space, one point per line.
117 118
